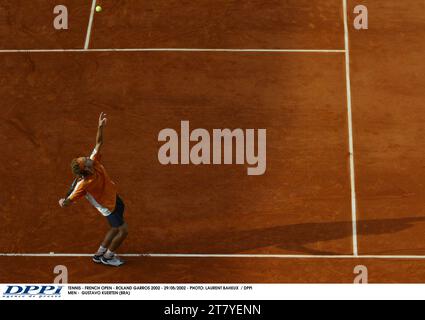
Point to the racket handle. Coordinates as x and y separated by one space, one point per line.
71 189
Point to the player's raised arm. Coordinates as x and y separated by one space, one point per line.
99 136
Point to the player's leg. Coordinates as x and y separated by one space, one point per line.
119 238
109 237
116 219
109 258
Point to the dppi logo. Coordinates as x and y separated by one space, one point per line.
33 292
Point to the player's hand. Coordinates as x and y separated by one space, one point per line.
61 201
102 119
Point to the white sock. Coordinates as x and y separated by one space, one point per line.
109 254
101 251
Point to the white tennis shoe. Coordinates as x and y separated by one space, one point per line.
115 261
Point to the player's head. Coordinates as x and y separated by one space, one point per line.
82 166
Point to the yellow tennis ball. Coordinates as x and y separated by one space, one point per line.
98 8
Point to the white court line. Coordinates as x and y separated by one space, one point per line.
228 256
350 130
87 43
170 50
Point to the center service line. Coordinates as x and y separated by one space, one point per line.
350 131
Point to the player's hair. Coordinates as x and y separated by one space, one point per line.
75 167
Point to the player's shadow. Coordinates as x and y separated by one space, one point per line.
298 238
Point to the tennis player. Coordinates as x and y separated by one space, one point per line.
93 183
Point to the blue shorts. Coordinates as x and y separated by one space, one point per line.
116 218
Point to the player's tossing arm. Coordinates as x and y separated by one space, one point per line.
99 136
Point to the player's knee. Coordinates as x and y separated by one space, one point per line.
123 234
115 230
124 231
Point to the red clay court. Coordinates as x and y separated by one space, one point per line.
344 112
